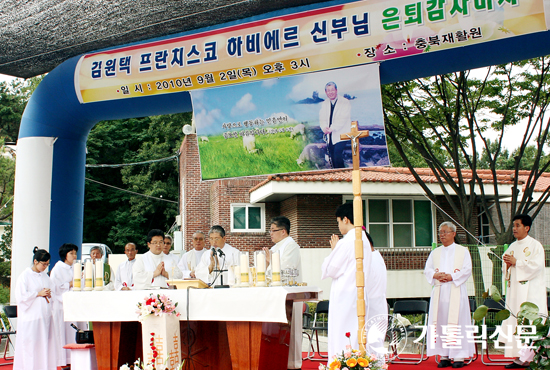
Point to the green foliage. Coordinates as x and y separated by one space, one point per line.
4 296
5 257
114 217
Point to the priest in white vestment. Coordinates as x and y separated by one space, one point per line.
124 274
289 252
35 344
228 258
191 259
62 280
524 271
168 242
377 315
340 265
447 269
154 269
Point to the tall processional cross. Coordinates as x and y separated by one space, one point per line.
354 136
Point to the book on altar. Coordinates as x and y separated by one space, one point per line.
185 283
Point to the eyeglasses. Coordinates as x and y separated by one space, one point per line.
45 264
198 239
445 232
157 243
274 230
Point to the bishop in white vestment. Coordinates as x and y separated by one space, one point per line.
35 343
340 265
154 269
191 259
524 271
447 269
289 252
124 274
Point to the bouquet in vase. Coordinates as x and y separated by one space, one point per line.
352 359
156 305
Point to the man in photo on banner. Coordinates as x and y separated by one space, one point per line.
523 268
190 260
340 265
447 269
335 120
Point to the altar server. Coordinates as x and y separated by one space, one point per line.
289 252
191 259
377 314
124 276
524 273
154 269
448 268
210 261
340 265
62 280
35 343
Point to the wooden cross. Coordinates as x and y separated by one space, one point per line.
354 136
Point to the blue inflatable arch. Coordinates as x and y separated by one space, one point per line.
51 151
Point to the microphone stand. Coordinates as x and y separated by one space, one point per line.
221 271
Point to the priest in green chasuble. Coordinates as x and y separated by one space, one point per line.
447 269
523 268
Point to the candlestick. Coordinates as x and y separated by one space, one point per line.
260 268
244 269
89 275
98 275
77 276
276 269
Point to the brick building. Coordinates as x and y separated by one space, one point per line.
401 220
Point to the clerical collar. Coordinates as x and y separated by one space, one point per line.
333 102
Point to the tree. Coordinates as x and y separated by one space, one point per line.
444 118
117 217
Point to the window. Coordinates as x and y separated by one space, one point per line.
248 217
398 222
484 228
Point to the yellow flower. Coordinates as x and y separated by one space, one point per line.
334 365
363 362
351 362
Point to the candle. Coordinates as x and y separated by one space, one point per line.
237 273
260 269
98 273
244 269
89 275
77 275
276 269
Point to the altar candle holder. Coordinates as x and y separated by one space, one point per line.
77 276
244 261
276 269
88 275
260 268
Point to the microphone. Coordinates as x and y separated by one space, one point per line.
213 251
220 252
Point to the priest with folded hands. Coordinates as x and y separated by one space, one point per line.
155 268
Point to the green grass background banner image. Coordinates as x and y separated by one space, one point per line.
274 126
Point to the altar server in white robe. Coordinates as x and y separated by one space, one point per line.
523 269
289 252
228 258
340 265
168 242
377 315
154 269
35 343
447 269
191 259
124 274
62 280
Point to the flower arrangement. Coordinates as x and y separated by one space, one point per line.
156 305
352 359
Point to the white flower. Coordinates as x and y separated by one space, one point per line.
149 367
125 367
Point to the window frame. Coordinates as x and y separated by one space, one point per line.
391 223
247 206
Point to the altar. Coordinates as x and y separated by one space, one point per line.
220 328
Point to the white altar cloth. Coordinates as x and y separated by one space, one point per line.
242 304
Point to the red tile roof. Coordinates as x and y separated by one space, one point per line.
403 175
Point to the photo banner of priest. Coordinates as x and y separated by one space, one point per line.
336 36
290 124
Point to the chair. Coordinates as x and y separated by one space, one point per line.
412 307
493 307
307 323
6 331
322 309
